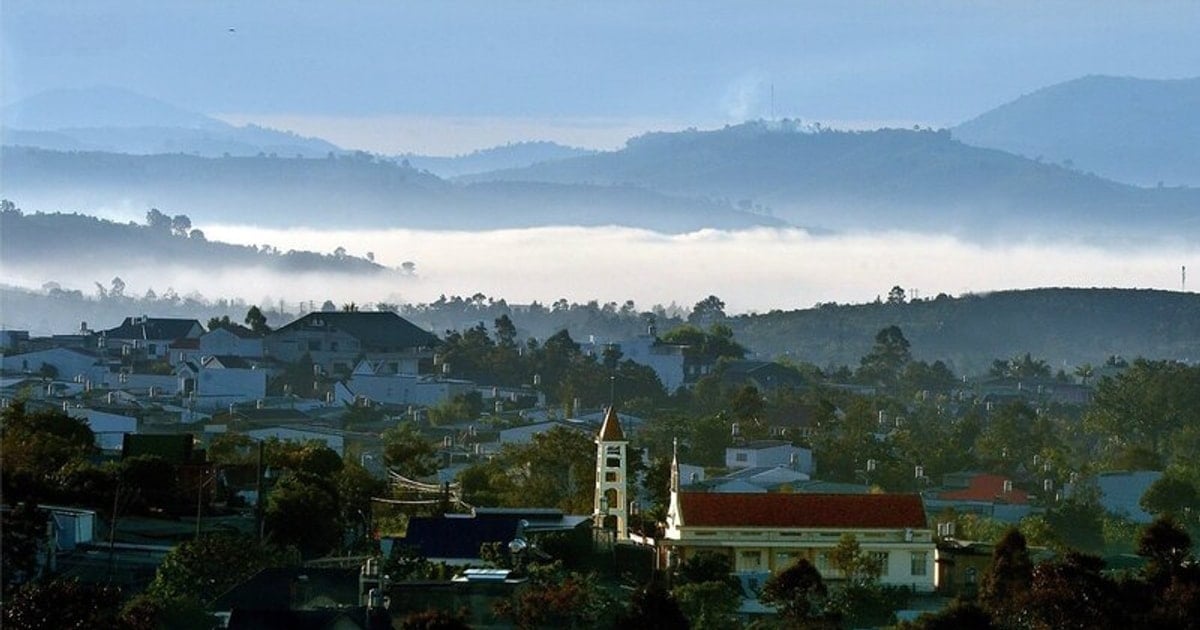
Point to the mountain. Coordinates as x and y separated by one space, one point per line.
885 179
1138 131
84 242
1066 327
338 191
513 155
117 120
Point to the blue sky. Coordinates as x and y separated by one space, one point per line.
617 64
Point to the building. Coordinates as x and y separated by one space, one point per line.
232 340
217 381
149 336
612 491
769 454
335 341
767 532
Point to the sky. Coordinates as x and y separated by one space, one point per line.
429 76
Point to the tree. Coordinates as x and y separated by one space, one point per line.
257 321
886 359
707 311
206 567
857 566
653 607
304 513
554 599
434 620
1005 587
39 448
896 296
67 604
1073 593
158 222
1166 546
407 452
708 605
180 224
1170 496
798 592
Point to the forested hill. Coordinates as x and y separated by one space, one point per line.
888 178
1140 131
37 240
1063 326
338 191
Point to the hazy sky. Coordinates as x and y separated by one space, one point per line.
427 75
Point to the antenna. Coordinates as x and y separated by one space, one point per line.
1183 278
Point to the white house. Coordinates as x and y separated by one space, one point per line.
666 360
333 440
218 381
152 336
67 363
232 341
376 382
109 429
524 434
768 454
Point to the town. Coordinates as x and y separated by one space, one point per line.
351 469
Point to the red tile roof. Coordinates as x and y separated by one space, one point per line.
611 431
783 510
987 488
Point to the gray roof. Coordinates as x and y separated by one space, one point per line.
152 328
379 331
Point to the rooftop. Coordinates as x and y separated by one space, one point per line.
847 511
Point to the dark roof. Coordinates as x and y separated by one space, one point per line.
175 448
237 329
374 330
457 537
231 362
277 589
767 374
152 328
844 511
611 431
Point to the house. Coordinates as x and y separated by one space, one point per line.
332 439
765 376
149 336
64 363
376 381
524 434
13 340
993 496
456 538
108 428
767 532
1121 493
232 340
769 454
218 381
294 597
336 340
667 360
759 479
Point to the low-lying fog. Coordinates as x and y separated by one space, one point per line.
754 270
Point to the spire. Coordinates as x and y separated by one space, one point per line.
611 431
675 465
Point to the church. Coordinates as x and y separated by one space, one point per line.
768 532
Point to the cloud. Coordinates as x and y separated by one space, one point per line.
752 270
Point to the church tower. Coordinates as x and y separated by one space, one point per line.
612 495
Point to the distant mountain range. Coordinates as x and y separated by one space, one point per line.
1139 131
103 147
514 155
889 179
343 191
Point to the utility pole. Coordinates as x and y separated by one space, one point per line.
258 501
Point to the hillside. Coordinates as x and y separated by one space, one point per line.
119 121
889 178
355 190
1138 131
1064 326
85 242
514 155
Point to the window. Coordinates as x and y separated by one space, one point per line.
750 560
741 457
881 560
314 345
919 558
333 346
610 477
613 462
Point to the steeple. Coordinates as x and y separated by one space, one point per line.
612 495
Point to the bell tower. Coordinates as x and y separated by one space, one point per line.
612 496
